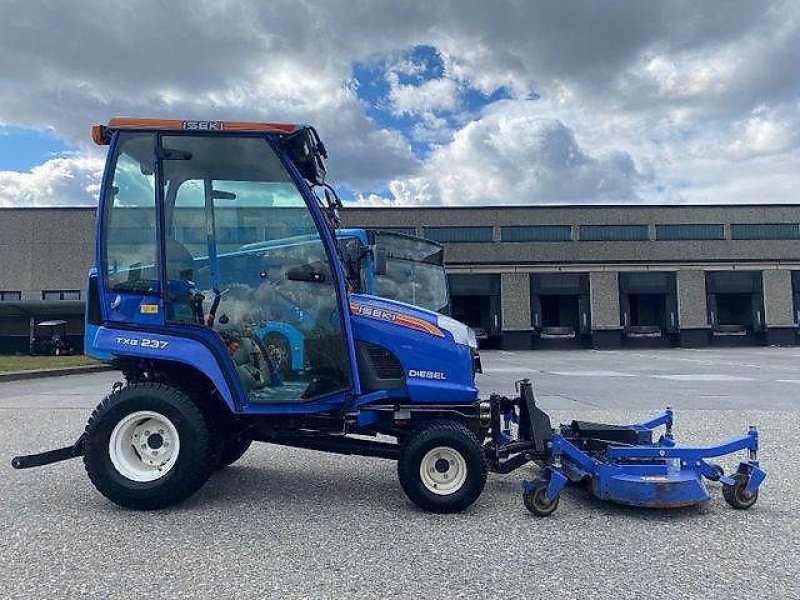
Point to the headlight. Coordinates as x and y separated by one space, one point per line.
461 333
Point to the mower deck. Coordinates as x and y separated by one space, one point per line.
623 464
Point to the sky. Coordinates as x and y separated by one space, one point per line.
425 103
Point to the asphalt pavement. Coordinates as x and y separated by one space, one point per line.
291 523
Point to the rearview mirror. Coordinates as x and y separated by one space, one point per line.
307 153
222 195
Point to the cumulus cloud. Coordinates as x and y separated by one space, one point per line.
70 181
611 102
429 97
511 157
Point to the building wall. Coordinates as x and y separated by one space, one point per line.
779 307
604 286
45 249
52 249
515 297
515 290
778 298
692 310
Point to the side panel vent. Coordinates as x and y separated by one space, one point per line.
378 368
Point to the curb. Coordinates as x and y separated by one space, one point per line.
57 372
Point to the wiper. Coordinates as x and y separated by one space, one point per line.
330 206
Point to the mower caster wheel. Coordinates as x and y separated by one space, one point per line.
718 472
735 494
535 500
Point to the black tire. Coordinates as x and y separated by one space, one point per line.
535 500
233 448
734 494
459 441
192 465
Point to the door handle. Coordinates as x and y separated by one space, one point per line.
305 273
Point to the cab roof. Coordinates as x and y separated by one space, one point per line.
100 132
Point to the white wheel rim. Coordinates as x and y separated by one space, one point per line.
443 470
144 446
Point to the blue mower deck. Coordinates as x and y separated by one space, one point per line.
623 464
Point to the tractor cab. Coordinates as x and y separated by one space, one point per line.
214 237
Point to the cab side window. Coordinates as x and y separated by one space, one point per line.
131 248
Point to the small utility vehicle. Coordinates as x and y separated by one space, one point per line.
50 339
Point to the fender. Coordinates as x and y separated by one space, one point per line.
162 346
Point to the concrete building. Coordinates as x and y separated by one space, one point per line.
531 277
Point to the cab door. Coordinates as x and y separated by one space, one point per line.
129 233
244 257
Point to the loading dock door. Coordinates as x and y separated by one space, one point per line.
648 303
560 304
735 302
476 302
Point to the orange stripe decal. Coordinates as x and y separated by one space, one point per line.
395 318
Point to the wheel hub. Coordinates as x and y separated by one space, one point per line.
443 470
442 465
144 446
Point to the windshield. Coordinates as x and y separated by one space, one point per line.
414 272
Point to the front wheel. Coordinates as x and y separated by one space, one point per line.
148 446
442 467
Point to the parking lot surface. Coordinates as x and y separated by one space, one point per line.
301 524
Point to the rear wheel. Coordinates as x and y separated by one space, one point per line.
442 467
233 448
148 446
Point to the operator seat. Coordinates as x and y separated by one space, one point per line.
251 365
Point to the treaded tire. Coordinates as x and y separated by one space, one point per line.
449 434
734 494
535 499
233 448
194 461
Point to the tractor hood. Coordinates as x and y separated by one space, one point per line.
411 317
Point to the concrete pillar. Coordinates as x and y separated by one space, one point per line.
515 295
606 329
692 312
779 307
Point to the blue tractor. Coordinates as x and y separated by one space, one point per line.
209 231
